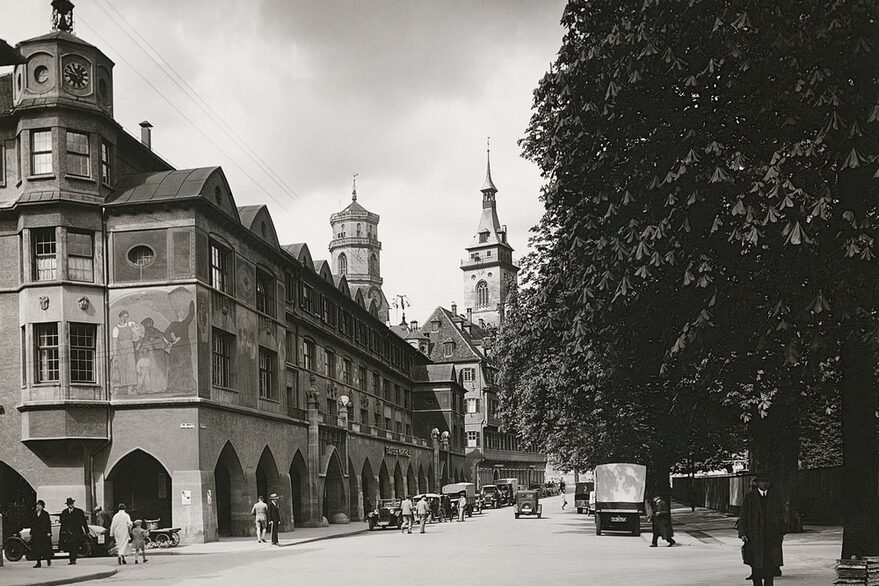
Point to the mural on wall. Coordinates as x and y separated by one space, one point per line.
152 346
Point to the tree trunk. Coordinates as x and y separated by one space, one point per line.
775 448
860 510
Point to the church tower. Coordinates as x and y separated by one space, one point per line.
488 268
356 253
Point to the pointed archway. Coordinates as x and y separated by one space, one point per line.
384 482
354 506
17 500
423 485
335 502
367 479
399 487
141 482
411 484
431 480
232 499
268 480
495 475
298 488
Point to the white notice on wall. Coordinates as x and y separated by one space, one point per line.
210 497
186 497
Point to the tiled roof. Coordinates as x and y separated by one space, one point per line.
44 196
434 373
161 186
466 347
5 93
58 35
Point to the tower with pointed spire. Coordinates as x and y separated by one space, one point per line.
488 268
356 253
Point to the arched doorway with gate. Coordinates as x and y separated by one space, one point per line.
399 487
335 503
232 499
141 482
411 484
299 488
17 500
384 481
367 480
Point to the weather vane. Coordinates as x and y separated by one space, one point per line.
354 187
402 302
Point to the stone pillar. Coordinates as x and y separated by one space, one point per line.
312 508
190 506
434 436
378 491
356 499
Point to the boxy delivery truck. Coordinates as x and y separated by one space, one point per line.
619 497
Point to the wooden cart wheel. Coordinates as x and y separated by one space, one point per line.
148 543
162 540
175 539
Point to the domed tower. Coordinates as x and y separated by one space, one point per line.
356 253
489 272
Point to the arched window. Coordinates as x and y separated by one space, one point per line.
373 265
358 229
343 264
481 294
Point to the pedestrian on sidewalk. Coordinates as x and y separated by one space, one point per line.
407 509
660 515
120 528
260 512
274 516
761 528
41 535
102 518
138 540
462 506
423 510
564 501
446 506
73 530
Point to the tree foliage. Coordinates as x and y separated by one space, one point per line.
709 238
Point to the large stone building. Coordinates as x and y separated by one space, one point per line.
162 348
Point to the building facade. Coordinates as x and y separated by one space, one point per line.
168 351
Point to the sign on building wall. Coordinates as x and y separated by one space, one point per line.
395 451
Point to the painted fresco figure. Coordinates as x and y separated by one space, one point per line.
180 360
153 353
126 335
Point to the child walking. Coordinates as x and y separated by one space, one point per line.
138 540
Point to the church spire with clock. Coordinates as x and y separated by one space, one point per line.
488 268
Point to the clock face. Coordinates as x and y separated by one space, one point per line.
76 75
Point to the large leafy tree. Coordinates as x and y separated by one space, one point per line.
711 215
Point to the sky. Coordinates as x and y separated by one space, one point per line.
299 95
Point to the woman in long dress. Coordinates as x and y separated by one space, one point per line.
119 529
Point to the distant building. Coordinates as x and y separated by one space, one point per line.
488 268
356 254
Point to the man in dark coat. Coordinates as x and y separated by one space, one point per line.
41 535
74 529
274 517
661 517
761 527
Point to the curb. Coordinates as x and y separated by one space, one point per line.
282 545
76 579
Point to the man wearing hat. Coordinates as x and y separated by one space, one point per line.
73 529
761 528
274 517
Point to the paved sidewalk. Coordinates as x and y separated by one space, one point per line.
22 573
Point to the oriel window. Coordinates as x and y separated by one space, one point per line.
82 353
78 162
266 373
45 260
47 359
41 152
80 256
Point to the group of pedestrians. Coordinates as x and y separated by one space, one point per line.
74 530
422 511
267 518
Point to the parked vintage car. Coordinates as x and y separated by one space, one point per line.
581 496
387 514
489 495
528 503
18 545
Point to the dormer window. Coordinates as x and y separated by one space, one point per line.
448 348
483 237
